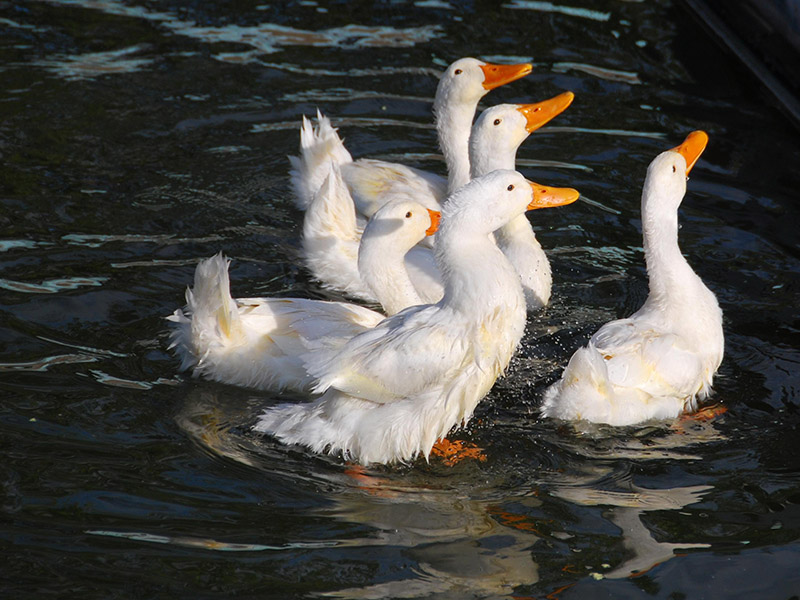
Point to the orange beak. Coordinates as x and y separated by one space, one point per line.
540 113
497 75
692 147
435 218
546 197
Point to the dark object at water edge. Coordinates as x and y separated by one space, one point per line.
765 36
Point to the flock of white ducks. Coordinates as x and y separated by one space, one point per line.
386 386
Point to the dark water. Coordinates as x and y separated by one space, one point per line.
140 137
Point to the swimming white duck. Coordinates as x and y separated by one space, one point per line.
659 362
332 240
395 229
258 342
460 89
496 136
331 231
389 393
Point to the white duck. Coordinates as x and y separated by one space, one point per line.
331 231
332 240
460 89
659 362
390 234
496 136
257 342
388 394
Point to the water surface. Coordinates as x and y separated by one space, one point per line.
139 137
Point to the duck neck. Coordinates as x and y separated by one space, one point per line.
453 125
478 278
385 274
673 283
518 242
485 159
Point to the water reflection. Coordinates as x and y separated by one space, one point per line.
200 543
550 7
601 72
464 539
264 38
84 66
625 508
460 544
460 548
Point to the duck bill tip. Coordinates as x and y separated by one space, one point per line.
539 113
496 75
547 197
436 218
692 147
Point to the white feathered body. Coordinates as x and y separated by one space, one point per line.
332 236
659 362
373 182
258 342
426 378
389 393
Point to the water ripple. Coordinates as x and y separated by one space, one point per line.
353 72
601 72
15 25
346 95
93 240
205 543
267 38
434 4
6 245
612 132
75 67
343 122
597 204
43 364
130 384
98 351
557 164
572 11
51 286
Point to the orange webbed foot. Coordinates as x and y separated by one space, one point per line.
709 413
456 451
696 419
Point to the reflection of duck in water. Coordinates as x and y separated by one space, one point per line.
625 510
600 475
456 543
444 542
460 549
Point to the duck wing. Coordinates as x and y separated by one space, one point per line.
373 182
405 355
644 356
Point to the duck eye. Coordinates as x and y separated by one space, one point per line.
458 71
497 121
510 187
408 215
673 168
